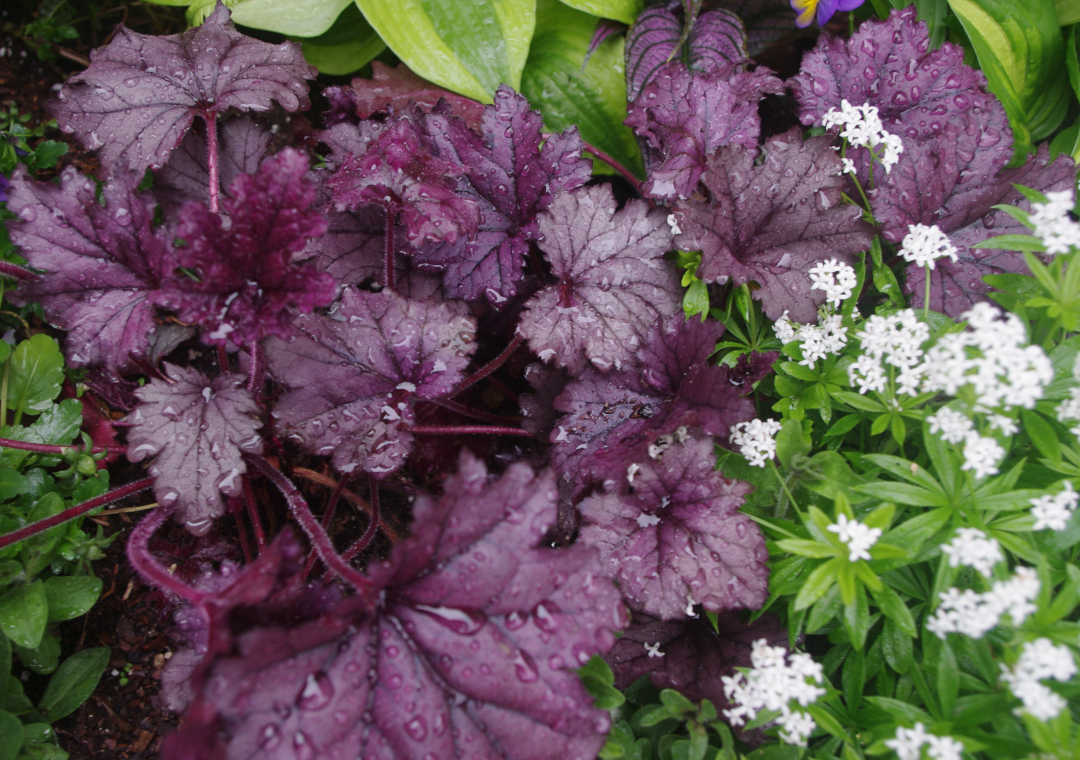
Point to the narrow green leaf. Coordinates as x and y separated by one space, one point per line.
827 721
896 647
902 711
858 401
1013 243
817 583
894 608
948 678
1042 435
857 616
903 493
806 548
852 679
73 683
843 425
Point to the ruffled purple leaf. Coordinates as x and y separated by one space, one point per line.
611 420
354 376
956 286
469 651
772 222
613 282
139 96
538 407
242 145
198 430
393 90
674 538
247 285
103 262
684 117
689 655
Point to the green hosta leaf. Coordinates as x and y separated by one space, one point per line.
468 46
73 683
1068 12
71 596
625 11
24 611
306 19
345 47
36 372
594 99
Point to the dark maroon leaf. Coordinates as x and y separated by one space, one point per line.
604 30
198 431
242 144
689 655
613 282
766 21
247 284
393 89
772 222
469 651
717 39
539 407
140 94
684 117
354 376
956 286
612 419
104 263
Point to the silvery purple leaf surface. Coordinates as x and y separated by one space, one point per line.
685 116
672 536
611 419
538 407
613 282
104 262
198 431
772 222
247 284
140 94
469 653
354 375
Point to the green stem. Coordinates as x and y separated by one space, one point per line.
3 393
782 508
926 303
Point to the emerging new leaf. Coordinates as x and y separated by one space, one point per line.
613 282
198 429
139 96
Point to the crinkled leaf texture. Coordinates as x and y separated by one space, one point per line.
956 286
248 285
772 222
674 537
613 282
684 116
513 178
103 263
469 653
354 375
140 94
612 419
198 430
692 657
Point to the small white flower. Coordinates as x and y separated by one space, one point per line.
821 340
835 278
867 373
953 426
858 537
1051 223
1069 410
1039 660
973 548
673 223
981 455
908 742
653 650
1054 510
848 166
925 244
756 440
973 614
1007 425
785 329
863 129
632 471
944 748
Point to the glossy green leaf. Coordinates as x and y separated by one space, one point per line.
903 493
896 647
893 607
1068 12
817 583
36 369
38 550
625 11
73 683
12 483
1042 435
468 46
306 19
593 99
24 611
43 658
72 595
345 47
948 678
11 736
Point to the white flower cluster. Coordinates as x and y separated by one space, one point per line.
973 614
971 547
1069 410
863 129
858 537
1054 510
981 454
835 278
1040 659
1005 373
925 244
1051 223
772 685
953 426
756 440
909 742
827 337
895 340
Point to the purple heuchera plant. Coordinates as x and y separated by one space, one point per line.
140 94
198 430
673 538
469 649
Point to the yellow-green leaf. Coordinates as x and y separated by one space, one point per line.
625 11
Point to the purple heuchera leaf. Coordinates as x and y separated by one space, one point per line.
247 283
771 223
674 537
689 655
612 419
766 21
956 286
613 282
198 429
538 408
515 172
684 117
394 89
354 376
468 653
401 172
140 94
242 145
104 263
